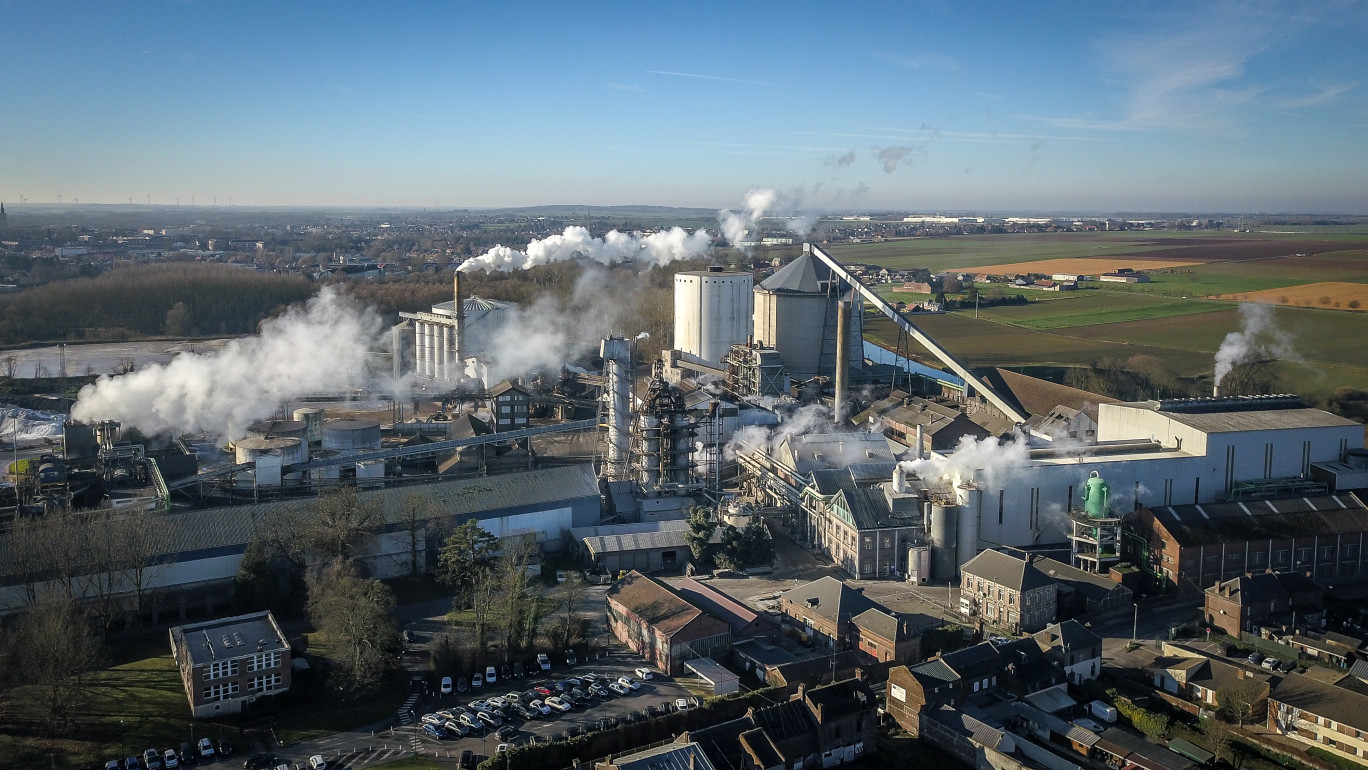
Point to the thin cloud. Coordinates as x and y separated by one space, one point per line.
712 77
625 87
840 161
986 95
1322 95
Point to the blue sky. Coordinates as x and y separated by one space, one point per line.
938 106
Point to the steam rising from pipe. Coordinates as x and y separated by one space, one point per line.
1258 337
655 249
986 462
757 204
319 347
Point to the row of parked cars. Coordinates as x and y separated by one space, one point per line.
541 702
1271 664
514 670
170 759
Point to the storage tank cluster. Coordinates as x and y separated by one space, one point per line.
349 437
951 523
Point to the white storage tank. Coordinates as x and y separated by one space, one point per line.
278 429
793 313
268 471
312 417
919 565
291 451
970 508
351 436
713 311
370 473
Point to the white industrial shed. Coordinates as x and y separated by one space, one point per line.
713 674
206 545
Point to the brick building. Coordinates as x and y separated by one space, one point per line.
1006 592
1333 717
662 627
832 614
1194 546
227 663
1245 603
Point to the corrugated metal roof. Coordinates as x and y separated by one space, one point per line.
647 535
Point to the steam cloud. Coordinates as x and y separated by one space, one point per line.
986 462
814 418
321 346
1258 337
757 204
655 249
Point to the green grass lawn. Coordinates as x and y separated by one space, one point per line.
1086 308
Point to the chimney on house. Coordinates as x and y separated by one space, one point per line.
859 673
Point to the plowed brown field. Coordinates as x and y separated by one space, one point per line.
1330 295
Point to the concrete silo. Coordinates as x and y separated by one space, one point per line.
312 417
713 311
970 508
942 529
796 314
278 429
349 437
290 450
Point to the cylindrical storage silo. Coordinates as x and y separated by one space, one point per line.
713 310
291 451
919 564
268 470
350 437
278 429
943 541
971 507
312 417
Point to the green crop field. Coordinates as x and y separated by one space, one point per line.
975 250
1086 308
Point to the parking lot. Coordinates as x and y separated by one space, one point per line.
659 693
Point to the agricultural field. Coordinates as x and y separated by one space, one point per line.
1329 294
1078 266
1086 308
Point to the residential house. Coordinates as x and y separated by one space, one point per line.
1081 592
662 627
1007 592
1073 647
1199 679
832 614
1246 603
1328 716
229 662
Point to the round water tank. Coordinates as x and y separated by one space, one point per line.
312 417
943 541
351 436
278 429
291 450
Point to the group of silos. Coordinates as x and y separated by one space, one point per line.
274 446
951 522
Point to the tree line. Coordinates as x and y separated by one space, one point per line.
183 299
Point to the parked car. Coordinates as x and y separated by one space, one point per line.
513 698
644 674
478 705
502 748
558 703
1270 664
169 759
491 676
489 718
518 669
681 704
1287 666
225 748
570 658
598 690
470 720
589 678
455 728
133 763
317 762
579 695
113 764
206 748
467 760
1256 658
476 680
435 731
506 732
1088 724
462 684
506 671
152 759
541 707
186 753
618 687
544 661
409 637
431 719
524 713
446 685
559 686
543 691
627 681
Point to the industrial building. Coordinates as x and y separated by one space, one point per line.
441 343
712 312
660 626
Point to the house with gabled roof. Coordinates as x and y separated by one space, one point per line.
661 626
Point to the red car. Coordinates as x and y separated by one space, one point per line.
542 691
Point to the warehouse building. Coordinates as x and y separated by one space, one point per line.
662 627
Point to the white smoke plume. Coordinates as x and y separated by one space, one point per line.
759 203
650 250
1258 337
643 336
814 418
321 346
986 462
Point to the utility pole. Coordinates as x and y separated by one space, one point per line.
1135 623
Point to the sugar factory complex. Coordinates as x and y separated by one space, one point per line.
767 406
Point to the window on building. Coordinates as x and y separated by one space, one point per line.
1258 558
264 683
868 543
264 660
221 691
867 568
1280 556
220 669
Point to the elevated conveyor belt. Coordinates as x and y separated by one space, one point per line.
939 352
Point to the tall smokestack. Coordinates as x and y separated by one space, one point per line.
842 362
458 307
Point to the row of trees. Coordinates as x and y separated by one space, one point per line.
496 594
149 300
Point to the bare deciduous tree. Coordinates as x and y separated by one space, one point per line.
354 614
57 652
